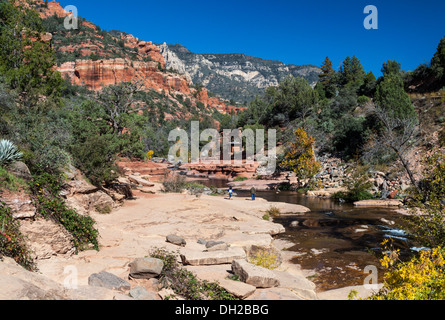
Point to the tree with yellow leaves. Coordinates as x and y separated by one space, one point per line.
300 157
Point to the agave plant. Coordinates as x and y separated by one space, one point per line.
8 153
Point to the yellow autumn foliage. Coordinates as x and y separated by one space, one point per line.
300 157
421 278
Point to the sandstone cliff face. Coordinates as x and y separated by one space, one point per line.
95 58
233 76
97 74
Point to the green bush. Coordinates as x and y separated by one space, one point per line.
174 184
50 205
273 211
9 181
185 283
362 100
357 185
12 242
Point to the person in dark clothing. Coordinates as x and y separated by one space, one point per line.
252 193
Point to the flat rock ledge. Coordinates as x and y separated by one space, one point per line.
379 203
203 258
256 276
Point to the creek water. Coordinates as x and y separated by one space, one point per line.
335 241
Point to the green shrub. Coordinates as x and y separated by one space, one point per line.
95 157
362 100
266 258
273 211
357 185
426 224
240 179
174 184
50 205
9 181
185 283
12 242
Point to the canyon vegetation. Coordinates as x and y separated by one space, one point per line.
88 98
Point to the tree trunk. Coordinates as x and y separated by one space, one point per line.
408 170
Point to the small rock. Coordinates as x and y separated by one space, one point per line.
108 280
167 294
294 224
177 240
218 247
140 293
122 297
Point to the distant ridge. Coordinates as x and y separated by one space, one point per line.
234 76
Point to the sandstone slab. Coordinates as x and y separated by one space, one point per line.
379 203
237 288
199 258
274 294
254 275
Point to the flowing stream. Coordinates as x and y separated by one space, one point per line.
335 241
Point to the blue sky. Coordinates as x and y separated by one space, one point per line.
295 32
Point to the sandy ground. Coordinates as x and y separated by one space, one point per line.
141 225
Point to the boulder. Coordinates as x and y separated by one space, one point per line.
146 268
298 283
109 281
21 205
21 170
254 275
140 181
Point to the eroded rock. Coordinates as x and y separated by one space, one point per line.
254 275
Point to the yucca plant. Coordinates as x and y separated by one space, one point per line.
8 153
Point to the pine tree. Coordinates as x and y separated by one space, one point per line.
438 61
391 67
391 97
352 72
326 78
369 85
